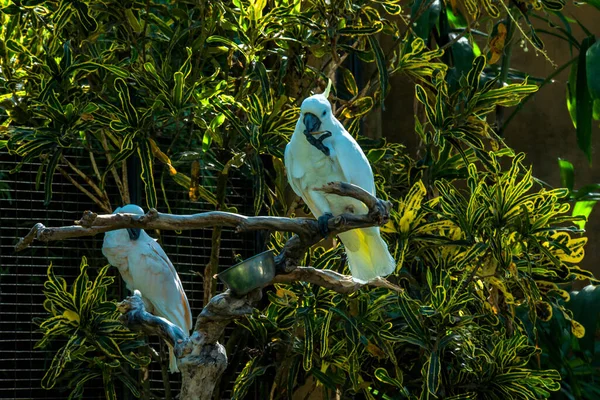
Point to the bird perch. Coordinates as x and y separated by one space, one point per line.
306 230
201 359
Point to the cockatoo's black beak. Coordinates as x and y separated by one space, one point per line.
311 122
134 233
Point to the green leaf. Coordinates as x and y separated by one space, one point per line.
265 87
67 58
593 3
133 20
307 361
584 102
323 378
381 67
126 104
592 60
245 379
81 285
349 81
122 155
456 20
428 12
572 91
147 161
52 164
227 42
567 174
583 304
374 28
374 155
474 75
433 373
179 79
325 334
57 365
88 22
583 208
256 9
109 385
382 375
411 317
233 120
462 57
422 97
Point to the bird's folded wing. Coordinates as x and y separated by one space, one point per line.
353 162
159 283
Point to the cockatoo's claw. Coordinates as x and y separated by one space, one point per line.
323 223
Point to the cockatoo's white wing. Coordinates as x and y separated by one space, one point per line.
291 168
159 283
353 162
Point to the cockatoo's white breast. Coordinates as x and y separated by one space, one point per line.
310 167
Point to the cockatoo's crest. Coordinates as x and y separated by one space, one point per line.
316 104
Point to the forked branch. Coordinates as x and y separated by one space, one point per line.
306 230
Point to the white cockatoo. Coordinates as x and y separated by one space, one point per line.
144 266
313 160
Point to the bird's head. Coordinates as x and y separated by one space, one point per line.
315 114
134 233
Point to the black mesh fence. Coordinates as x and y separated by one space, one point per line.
22 274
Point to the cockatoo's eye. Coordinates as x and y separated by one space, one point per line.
324 113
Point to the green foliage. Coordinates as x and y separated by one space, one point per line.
192 91
175 84
585 198
97 345
482 255
575 359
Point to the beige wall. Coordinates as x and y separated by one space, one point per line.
542 129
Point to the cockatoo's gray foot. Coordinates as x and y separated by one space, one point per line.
323 222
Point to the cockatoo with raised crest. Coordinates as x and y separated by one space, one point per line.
322 151
144 266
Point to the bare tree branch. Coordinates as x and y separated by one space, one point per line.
306 230
332 280
201 359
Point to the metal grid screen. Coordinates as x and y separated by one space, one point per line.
22 274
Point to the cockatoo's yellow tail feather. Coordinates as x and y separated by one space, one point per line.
368 255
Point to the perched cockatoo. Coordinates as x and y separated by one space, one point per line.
313 160
144 266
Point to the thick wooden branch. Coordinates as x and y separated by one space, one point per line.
92 224
332 280
201 359
306 230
